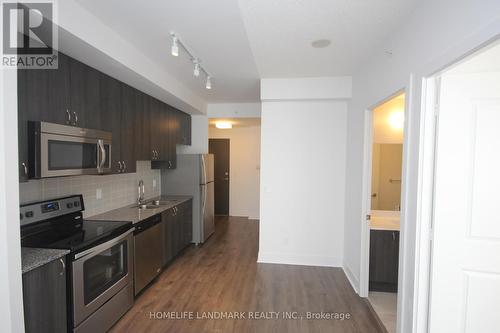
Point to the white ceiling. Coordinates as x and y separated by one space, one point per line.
241 41
212 30
281 32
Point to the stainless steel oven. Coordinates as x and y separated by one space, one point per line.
59 150
99 274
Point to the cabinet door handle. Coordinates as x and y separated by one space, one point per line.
119 166
68 119
76 118
124 166
393 236
25 169
63 267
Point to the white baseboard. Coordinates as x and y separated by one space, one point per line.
297 259
352 280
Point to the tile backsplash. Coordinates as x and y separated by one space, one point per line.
115 190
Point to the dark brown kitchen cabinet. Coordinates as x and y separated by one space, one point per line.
157 119
167 218
143 127
110 101
45 93
184 136
384 257
68 95
162 137
44 298
128 128
85 106
177 230
119 101
172 133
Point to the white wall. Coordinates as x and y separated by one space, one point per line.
11 300
199 137
437 33
244 169
303 144
233 110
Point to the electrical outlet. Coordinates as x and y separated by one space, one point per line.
98 194
154 183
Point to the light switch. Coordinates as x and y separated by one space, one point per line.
98 194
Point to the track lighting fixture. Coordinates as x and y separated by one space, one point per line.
198 68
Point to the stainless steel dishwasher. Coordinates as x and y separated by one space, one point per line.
148 247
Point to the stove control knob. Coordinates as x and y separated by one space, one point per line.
29 214
77 203
69 205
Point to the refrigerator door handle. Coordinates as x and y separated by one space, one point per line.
203 170
203 207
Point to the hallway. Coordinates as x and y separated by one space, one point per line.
223 276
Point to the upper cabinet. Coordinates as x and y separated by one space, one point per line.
85 93
184 133
75 94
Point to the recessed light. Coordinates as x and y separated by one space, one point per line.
321 43
224 125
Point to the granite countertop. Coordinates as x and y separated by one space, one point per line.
390 223
133 214
32 258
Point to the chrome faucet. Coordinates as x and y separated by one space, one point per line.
140 190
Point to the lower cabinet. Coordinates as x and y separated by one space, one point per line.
384 257
44 297
177 230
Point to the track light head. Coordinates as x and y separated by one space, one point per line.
175 46
209 83
196 71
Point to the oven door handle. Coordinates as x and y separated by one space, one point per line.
104 246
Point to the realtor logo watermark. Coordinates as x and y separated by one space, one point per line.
29 35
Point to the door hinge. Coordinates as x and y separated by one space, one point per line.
368 217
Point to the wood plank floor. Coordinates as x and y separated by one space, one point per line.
223 276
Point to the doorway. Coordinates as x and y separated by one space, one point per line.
220 148
464 225
384 207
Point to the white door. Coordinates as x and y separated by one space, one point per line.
465 277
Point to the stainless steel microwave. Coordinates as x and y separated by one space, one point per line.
58 150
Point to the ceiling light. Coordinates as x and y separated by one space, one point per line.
397 120
198 68
224 125
175 46
321 43
196 71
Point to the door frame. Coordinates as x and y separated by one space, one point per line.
366 190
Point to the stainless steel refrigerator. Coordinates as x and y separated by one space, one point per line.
194 176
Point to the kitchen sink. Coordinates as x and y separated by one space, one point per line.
157 203
148 206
